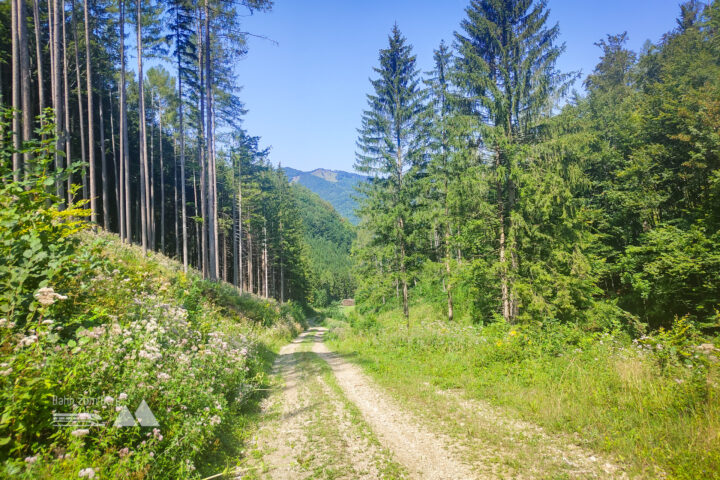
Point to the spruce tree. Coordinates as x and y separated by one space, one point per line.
506 70
391 151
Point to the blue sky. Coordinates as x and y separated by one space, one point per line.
306 92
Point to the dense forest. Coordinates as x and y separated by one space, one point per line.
157 155
500 191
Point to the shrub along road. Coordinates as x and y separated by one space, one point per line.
327 419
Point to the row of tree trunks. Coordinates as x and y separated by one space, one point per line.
135 216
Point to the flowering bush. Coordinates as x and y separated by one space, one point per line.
127 329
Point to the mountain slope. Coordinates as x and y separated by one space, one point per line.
329 238
333 186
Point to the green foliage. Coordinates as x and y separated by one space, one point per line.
600 213
652 402
131 328
673 272
329 238
86 319
391 152
36 230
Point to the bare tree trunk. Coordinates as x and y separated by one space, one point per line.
57 95
162 185
265 259
142 141
16 91
251 287
25 79
282 268
91 119
213 170
175 192
117 169
198 236
210 186
447 273
124 154
81 115
182 158
448 249
207 268
503 264
224 257
104 173
38 53
239 226
66 99
151 175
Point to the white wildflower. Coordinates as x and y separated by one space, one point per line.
46 296
87 472
80 432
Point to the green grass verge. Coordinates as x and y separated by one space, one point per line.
653 404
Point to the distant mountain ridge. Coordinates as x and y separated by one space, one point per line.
334 186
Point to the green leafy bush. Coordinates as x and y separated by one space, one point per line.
89 326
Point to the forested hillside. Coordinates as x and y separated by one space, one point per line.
336 187
329 238
156 155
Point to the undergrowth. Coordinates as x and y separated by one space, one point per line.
124 328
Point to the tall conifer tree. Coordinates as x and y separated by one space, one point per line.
391 152
506 69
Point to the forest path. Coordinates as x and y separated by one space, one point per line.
329 420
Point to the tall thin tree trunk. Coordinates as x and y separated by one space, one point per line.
251 286
25 79
66 99
224 257
182 154
16 91
38 53
265 259
206 255
57 95
239 262
124 154
282 267
142 141
91 118
198 236
116 169
151 176
103 166
175 203
162 184
81 116
503 264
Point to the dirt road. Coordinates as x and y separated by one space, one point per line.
327 419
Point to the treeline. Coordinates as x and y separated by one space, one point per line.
159 154
497 192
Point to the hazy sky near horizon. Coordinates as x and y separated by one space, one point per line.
306 89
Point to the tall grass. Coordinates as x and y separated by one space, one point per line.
653 402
